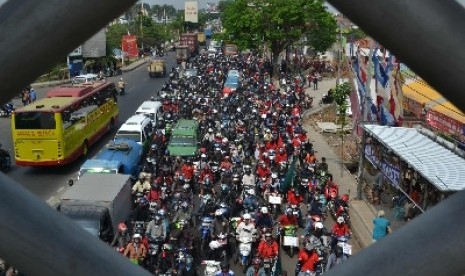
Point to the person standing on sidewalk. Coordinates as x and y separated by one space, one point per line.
381 226
32 95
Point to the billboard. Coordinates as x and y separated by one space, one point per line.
191 11
96 46
129 46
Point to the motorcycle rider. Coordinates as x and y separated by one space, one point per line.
136 250
248 179
264 219
268 248
336 257
156 229
246 227
225 271
122 237
288 218
318 235
255 269
339 229
308 258
121 86
142 185
142 211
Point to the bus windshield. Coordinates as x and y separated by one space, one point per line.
130 135
35 120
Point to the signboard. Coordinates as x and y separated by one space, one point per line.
444 123
129 45
275 200
96 46
390 171
191 11
291 241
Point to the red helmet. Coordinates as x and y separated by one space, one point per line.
345 198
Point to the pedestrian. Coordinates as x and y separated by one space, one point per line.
25 97
315 82
32 95
381 226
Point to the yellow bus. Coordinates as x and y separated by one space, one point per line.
60 128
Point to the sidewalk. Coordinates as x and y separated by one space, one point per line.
361 211
127 68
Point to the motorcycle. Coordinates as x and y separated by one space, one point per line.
269 265
219 248
245 248
211 267
290 241
6 110
205 233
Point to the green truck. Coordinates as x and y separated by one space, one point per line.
184 140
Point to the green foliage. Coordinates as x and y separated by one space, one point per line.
340 94
278 23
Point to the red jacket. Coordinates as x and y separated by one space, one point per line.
308 260
340 230
293 199
285 220
263 172
187 171
281 157
267 251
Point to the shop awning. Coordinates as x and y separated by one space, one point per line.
420 92
440 166
450 111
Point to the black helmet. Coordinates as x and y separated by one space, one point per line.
224 266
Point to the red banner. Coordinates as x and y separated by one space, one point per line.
129 45
444 123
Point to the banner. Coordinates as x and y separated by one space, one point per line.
390 171
191 11
129 46
289 178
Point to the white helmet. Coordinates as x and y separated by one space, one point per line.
318 225
340 220
264 210
246 216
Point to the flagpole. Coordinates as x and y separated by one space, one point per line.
368 83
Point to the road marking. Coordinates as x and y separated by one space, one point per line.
61 189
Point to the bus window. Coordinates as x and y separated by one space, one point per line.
35 120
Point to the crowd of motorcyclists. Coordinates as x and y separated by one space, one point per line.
254 182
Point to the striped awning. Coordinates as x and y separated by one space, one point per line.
439 165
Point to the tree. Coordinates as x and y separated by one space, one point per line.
278 24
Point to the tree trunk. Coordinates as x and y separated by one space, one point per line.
275 58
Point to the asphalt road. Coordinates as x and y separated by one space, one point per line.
47 183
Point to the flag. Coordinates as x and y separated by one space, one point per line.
395 100
289 178
278 268
382 77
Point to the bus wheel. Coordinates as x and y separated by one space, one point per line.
85 149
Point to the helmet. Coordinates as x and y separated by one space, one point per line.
256 261
289 211
345 198
268 235
309 247
224 265
318 225
157 218
143 201
225 140
264 210
137 236
340 220
246 216
122 227
121 79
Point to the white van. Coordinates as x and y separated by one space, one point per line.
84 79
138 128
151 109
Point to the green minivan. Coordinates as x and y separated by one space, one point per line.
184 139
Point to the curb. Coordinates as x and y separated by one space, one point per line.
128 68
